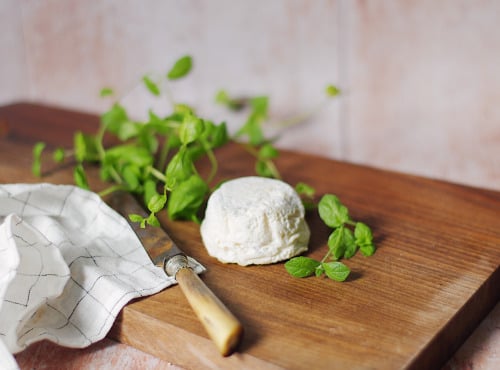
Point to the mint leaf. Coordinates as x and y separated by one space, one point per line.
260 106
363 234
135 218
364 239
80 177
264 165
106 91
263 169
191 129
157 202
186 198
131 175
128 129
113 118
336 270
332 90
336 243
128 154
342 242
332 212
152 220
253 126
350 247
183 109
301 266
181 68
36 167
306 193
85 147
148 139
149 190
320 270
268 151
304 189
58 155
151 86
223 98
180 168
219 135
367 249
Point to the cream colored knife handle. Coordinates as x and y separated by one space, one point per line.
222 327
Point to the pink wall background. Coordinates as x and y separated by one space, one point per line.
420 81
420 78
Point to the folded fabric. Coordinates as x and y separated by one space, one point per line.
68 265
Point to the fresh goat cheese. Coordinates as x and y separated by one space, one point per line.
254 220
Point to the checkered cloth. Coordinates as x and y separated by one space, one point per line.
68 264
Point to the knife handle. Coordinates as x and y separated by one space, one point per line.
223 328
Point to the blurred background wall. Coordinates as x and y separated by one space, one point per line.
420 80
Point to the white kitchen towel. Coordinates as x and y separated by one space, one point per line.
68 264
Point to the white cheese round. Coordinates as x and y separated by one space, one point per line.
254 220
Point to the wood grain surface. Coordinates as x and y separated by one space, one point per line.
434 276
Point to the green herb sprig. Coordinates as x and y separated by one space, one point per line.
156 159
262 148
345 240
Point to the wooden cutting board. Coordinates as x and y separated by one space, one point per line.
434 276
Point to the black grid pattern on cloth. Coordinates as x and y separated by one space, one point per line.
104 273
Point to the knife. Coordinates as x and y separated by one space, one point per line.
221 325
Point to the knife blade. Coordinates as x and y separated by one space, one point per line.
222 326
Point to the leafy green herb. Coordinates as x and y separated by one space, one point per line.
180 168
364 239
342 242
302 266
106 91
36 166
190 129
253 130
222 97
85 147
336 270
58 155
157 159
253 126
264 165
114 119
187 197
306 193
268 151
181 68
332 90
332 212
303 189
151 86
159 153
80 177
263 150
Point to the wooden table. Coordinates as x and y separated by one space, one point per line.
433 278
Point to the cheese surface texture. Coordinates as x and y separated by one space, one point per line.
254 220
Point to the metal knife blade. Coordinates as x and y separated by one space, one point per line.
155 240
161 248
221 325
